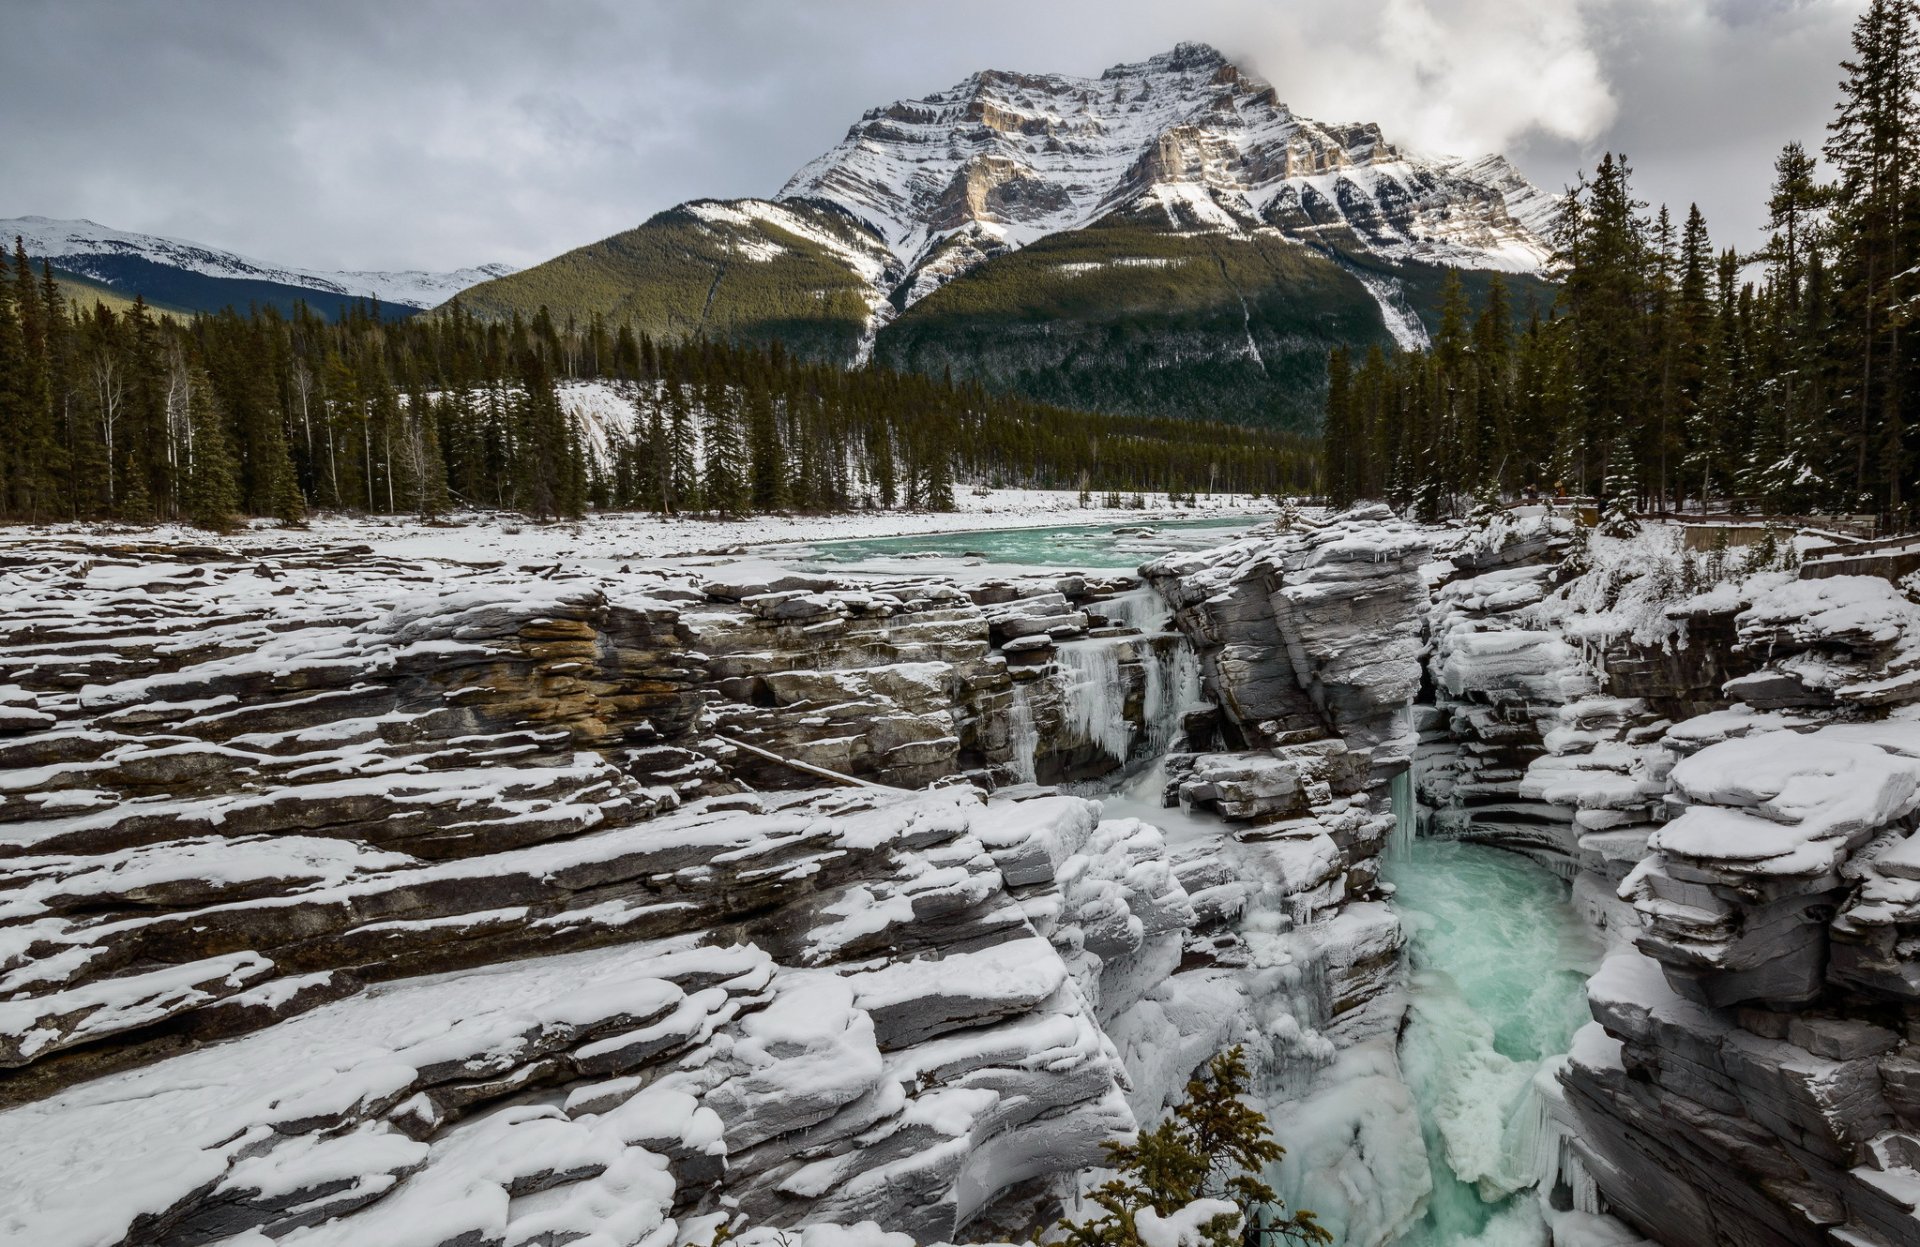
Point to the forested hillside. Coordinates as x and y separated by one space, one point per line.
1671 371
107 414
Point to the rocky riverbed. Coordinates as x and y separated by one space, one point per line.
352 897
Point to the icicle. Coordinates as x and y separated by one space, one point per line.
1406 814
1173 692
1093 699
1580 1184
1023 736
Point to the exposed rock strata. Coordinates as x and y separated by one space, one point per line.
344 897
346 900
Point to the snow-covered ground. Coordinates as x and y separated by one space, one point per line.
487 537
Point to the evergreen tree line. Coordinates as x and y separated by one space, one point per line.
139 417
1670 373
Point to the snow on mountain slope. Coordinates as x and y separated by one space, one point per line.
79 246
1003 159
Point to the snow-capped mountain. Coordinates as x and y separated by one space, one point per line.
1168 238
101 252
1004 159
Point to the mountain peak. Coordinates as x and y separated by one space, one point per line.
1184 57
1002 159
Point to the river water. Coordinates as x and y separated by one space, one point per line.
1087 547
1500 961
1498 955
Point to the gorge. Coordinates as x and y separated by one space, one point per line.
360 897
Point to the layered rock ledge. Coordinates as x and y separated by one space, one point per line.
348 898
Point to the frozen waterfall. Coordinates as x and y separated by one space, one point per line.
1406 815
1023 734
1093 698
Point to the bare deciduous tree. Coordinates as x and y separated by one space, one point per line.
110 390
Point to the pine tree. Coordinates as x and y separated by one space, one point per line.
681 464
767 461
724 479
1212 1147
212 494
1692 330
937 494
1872 146
1493 386
1340 435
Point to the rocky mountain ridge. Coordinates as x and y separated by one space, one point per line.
1003 159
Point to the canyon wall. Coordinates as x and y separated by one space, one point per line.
1724 763
352 898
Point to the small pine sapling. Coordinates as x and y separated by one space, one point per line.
1213 1147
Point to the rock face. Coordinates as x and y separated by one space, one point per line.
346 900
1735 762
1310 642
1308 635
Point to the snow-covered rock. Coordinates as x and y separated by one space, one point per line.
420 903
1721 754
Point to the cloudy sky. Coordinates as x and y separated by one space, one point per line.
427 133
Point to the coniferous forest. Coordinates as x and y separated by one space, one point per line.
1672 373
139 417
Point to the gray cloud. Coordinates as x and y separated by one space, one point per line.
364 133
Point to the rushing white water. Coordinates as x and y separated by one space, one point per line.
1142 609
1500 960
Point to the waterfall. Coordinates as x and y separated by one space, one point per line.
1093 699
1023 736
1142 609
1406 815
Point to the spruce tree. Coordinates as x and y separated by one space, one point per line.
724 480
1872 146
212 493
1213 1146
766 459
1339 436
681 463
